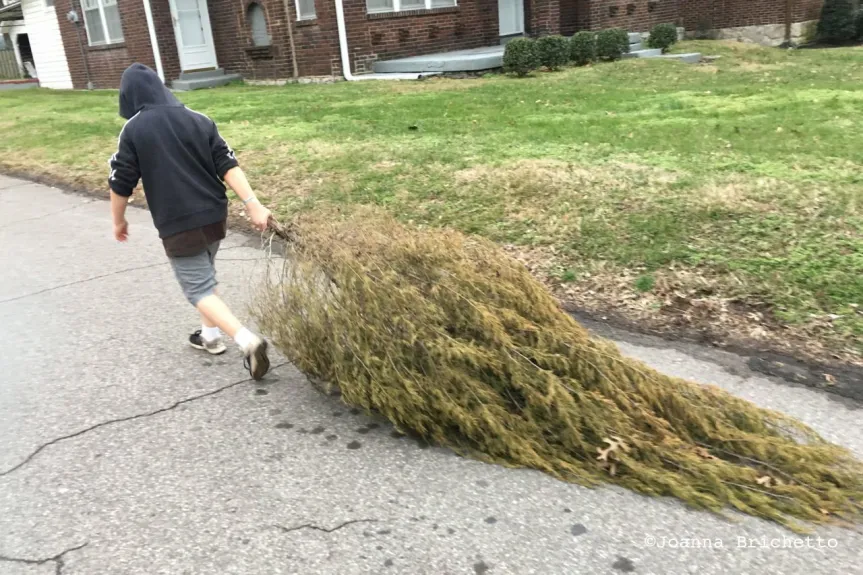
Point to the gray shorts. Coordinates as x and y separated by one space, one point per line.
197 274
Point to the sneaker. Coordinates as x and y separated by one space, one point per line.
215 347
256 360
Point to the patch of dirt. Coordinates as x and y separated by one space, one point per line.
738 193
385 166
757 67
740 46
685 305
557 174
706 68
449 83
286 178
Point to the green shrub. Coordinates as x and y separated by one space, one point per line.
612 44
663 36
553 51
859 22
810 32
837 24
582 48
521 56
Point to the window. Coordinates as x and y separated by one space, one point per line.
258 23
49 3
102 19
306 10
383 6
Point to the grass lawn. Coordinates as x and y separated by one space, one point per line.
723 197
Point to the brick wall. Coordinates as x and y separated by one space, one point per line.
370 37
631 15
716 14
472 24
233 39
544 16
106 63
164 26
574 15
317 41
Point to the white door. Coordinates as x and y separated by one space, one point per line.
511 15
194 35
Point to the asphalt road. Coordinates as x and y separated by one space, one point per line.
124 451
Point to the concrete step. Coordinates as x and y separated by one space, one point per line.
18 84
690 58
214 73
634 37
472 60
198 83
636 47
652 53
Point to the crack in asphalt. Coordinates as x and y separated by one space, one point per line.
175 405
94 278
323 529
58 559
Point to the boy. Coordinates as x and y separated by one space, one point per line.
184 164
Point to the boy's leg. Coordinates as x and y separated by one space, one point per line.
197 277
215 312
210 331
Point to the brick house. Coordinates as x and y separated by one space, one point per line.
278 39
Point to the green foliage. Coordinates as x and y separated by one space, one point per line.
612 44
569 276
645 283
810 32
859 24
521 56
582 48
837 24
663 37
553 51
451 339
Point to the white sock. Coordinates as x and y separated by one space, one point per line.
245 339
210 333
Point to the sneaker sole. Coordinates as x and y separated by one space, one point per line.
217 351
259 361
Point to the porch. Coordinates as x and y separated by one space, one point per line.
473 60
491 57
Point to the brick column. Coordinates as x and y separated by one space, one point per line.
543 16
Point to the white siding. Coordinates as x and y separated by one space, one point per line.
47 44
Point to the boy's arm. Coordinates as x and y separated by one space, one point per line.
223 155
229 170
118 214
260 216
125 172
124 177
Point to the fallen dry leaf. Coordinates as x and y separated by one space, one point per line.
702 452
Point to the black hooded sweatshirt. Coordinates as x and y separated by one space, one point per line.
177 153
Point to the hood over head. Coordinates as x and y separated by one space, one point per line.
140 86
